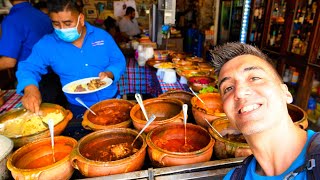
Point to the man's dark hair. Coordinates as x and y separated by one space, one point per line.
223 53
130 10
110 23
62 5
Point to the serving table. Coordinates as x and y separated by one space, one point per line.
136 79
11 100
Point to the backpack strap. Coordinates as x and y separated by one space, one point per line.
313 158
312 162
239 172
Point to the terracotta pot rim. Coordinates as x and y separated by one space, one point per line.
155 100
300 109
95 127
175 91
217 137
173 154
64 111
11 167
117 162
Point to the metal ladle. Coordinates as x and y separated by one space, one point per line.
185 111
213 128
82 103
140 102
152 118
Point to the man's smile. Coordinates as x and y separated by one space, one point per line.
249 108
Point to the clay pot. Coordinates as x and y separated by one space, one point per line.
166 111
34 160
195 59
88 156
166 145
211 109
152 62
224 147
5 152
112 113
45 108
298 116
181 95
196 85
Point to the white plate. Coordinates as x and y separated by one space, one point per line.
69 88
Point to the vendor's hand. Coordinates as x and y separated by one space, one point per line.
31 99
108 74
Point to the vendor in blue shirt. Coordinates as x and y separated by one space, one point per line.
75 50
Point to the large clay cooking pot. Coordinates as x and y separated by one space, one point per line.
166 111
211 109
20 140
226 147
107 152
34 160
167 147
111 113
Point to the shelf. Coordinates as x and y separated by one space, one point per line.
4 10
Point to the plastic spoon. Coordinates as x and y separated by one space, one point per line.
185 111
152 118
82 103
51 129
140 102
213 128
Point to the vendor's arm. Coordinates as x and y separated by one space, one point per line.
29 74
117 61
31 99
7 62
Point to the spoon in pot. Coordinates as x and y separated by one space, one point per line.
152 118
140 102
82 103
214 129
51 129
185 111
196 95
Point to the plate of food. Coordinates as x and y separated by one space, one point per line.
164 65
86 85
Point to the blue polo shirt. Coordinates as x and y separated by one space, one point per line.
21 29
98 53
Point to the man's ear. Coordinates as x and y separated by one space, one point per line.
287 93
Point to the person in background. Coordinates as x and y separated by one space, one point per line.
42 6
75 50
18 39
128 24
110 25
255 101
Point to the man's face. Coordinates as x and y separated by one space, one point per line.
67 19
133 15
254 98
